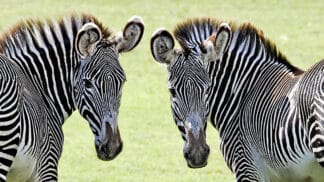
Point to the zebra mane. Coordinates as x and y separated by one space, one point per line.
191 33
23 27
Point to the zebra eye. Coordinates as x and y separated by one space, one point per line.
87 83
172 92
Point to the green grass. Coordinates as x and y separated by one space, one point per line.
152 142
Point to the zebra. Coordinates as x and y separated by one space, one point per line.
73 64
268 113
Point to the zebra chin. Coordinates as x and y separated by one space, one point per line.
110 146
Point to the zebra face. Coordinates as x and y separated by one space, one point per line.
188 85
99 79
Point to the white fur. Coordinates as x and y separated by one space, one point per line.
307 169
22 168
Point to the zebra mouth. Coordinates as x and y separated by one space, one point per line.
196 166
106 153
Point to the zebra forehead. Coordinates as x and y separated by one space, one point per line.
188 70
21 28
104 69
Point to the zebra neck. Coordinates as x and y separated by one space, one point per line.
47 59
234 76
53 80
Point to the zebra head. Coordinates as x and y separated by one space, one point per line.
188 86
98 81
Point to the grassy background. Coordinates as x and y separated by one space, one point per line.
152 143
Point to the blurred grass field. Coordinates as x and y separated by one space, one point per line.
152 143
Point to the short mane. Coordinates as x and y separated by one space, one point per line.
23 26
186 32
187 35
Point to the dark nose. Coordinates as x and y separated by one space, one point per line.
109 151
196 150
197 156
110 146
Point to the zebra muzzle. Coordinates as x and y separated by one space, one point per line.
196 150
110 145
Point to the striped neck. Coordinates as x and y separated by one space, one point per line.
249 58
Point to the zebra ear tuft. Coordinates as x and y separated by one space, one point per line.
162 45
222 39
131 35
88 36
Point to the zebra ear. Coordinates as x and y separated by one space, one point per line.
208 49
88 36
162 45
222 39
131 35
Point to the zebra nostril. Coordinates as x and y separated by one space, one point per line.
102 149
207 150
186 155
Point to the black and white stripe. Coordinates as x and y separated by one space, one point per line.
22 105
10 114
48 47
